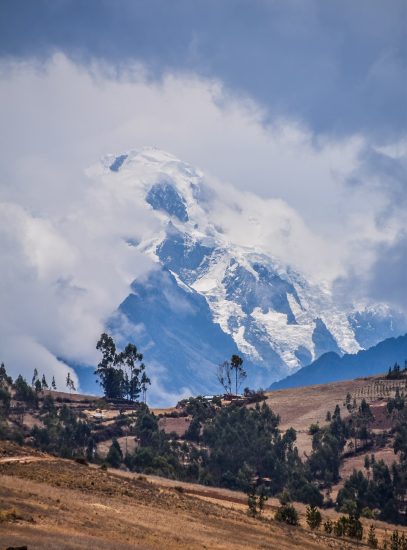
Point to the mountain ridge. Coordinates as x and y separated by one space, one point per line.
330 367
267 311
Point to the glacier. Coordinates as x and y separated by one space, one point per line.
209 296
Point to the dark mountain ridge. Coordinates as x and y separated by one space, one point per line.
330 367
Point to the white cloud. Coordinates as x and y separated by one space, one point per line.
65 266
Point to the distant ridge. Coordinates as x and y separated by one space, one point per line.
330 367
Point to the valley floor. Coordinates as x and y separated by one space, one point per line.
50 503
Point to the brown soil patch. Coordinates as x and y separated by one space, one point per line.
177 425
128 444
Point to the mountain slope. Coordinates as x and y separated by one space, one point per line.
177 324
331 368
237 298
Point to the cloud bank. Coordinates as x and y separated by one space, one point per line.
66 265
338 66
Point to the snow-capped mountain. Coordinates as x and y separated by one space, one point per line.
211 296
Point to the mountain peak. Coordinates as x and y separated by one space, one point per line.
267 311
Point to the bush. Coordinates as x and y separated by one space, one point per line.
314 517
348 526
339 527
372 541
313 429
114 456
328 526
307 493
24 392
287 514
354 528
367 513
398 542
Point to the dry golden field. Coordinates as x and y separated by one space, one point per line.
49 503
301 407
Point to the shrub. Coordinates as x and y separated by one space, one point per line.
348 526
372 541
339 527
287 514
314 517
367 513
354 528
114 456
398 542
328 526
313 429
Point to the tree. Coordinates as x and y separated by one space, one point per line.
263 497
53 384
48 405
230 370
44 383
68 381
398 542
38 386
115 455
339 527
5 380
236 364
24 392
286 513
314 517
145 381
193 432
70 384
328 526
131 359
110 378
224 376
5 401
372 541
91 450
256 499
252 500
34 378
354 528
121 374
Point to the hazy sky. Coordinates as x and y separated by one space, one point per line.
299 101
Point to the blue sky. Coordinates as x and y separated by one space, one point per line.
298 102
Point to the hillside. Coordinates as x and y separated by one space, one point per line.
53 503
330 367
300 442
